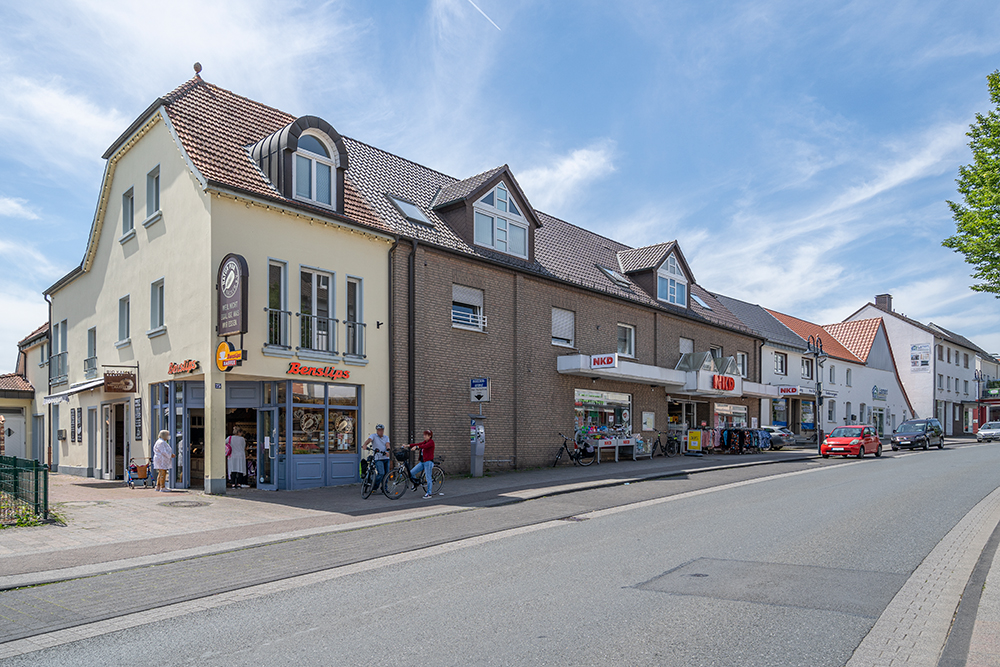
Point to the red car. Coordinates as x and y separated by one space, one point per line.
851 441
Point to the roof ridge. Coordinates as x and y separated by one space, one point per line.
196 81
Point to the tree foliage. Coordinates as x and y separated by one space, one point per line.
977 217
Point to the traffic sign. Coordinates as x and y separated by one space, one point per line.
479 390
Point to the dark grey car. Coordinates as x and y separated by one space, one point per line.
923 433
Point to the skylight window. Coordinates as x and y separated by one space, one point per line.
700 302
410 211
616 278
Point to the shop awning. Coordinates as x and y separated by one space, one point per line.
626 371
758 390
63 396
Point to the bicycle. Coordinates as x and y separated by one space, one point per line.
579 455
397 480
369 472
669 448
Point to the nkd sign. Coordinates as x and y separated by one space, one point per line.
604 360
723 383
788 391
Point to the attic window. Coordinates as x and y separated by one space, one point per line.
616 278
671 283
313 171
410 211
700 302
499 223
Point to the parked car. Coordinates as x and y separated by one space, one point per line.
923 433
780 436
988 432
851 441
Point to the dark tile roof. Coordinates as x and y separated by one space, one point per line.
643 259
14 382
459 190
757 318
961 340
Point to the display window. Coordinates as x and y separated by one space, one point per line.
308 431
731 416
602 413
342 427
779 411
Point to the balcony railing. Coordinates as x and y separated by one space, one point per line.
58 368
90 368
355 340
277 326
318 333
465 319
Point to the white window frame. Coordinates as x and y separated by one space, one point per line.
157 309
847 413
314 159
90 363
354 347
831 410
847 377
780 363
940 382
833 374
671 283
124 321
282 318
128 213
501 221
807 368
629 331
467 308
153 192
563 327
743 363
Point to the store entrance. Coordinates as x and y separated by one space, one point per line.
196 436
241 466
878 416
114 441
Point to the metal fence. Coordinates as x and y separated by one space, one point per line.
24 488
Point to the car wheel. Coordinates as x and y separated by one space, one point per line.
895 448
926 445
941 443
861 451
878 450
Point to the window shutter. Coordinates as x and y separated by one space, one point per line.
467 295
563 324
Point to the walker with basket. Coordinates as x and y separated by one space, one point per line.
139 473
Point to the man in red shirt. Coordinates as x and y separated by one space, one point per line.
426 462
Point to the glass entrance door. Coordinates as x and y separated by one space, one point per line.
267 449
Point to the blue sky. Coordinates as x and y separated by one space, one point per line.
800 153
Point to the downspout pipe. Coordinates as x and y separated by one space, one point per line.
392 347
48 336
412 345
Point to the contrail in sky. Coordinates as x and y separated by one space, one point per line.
484 14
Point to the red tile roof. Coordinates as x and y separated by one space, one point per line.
856 335
37 332
831 345
14 382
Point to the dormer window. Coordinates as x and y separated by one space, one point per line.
499 223
671 283
314 171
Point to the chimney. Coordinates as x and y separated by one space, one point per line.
884 302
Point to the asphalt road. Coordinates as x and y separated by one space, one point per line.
788 566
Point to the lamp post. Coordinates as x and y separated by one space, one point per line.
815 347
980 377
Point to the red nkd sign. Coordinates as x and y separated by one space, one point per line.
723 383
604 361
327 372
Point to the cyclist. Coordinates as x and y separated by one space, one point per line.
426 462
380 444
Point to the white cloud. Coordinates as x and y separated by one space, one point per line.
12 207
24 311
550 186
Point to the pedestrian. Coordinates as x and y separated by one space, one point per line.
162 455
236 457
426 462
380 444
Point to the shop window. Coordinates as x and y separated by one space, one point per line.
128 212
626 340
807 369
354 343
780 363
602 413
847 377
342 427
313 171
467 308
124 329
563 327
153 192
157 321
743 362
318 329
499 223
686 345
308 430
278 315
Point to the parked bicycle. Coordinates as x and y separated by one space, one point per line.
671 447
369 472
397 480
582 455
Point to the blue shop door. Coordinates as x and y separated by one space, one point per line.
268 445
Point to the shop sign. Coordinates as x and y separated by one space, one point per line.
295 368
788 391
232 288
920 358
226 357
879 394
79 425
119 382
723 383
138 418
694 441
184 367
72 425
604 360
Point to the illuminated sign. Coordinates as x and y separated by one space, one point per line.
232 287
183 367
723 383
604 360
788 391
226 357
295 368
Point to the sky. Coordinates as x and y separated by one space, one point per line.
801 154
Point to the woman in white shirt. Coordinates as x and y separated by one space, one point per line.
237 457
162 453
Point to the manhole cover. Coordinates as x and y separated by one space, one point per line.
185 503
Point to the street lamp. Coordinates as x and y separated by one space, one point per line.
980 378
815 347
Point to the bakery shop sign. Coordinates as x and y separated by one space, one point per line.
119 382
315 371
188 366
232 286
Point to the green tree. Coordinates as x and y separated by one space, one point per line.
977 217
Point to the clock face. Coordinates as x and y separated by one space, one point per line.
230 278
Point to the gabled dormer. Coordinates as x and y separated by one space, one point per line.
661 271
490 211
305 161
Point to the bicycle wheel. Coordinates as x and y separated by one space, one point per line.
368 481
437 476
587 455
395 483
671 448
